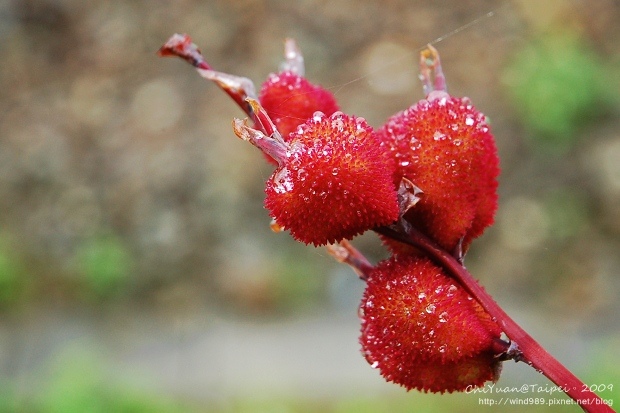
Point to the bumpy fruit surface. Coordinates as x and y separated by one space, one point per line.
334 181
423 331
290 100
444 146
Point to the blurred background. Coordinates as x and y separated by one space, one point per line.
138 272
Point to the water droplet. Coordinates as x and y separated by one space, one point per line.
452 290
335 171
442 348
430 308
301 174
422 296
404 163
338 124
438 136
374 365
469 121
443 317
318 116
439 289
275 227
457 142
283 181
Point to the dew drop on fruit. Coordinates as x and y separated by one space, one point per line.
282 180
452 290
438 136
374 365
317 116
338 124
275 227
443 317
301 174
469 121
430 308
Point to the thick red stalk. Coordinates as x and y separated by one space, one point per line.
524 347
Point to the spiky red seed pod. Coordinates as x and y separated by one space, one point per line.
422 330
445 147
290 99
333 182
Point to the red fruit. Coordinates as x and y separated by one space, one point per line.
444 146
290 100
333 184
422 330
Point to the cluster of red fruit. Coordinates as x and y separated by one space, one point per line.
433 166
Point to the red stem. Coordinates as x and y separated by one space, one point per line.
527 350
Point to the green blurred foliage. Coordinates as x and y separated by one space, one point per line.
558 84
12 276
603 373
300 283
105 264
568 212
77 384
